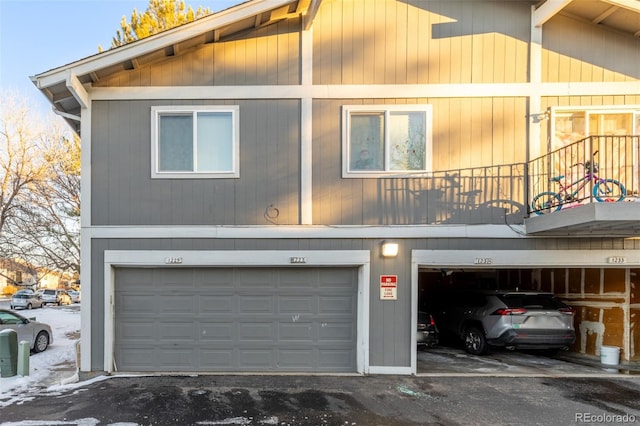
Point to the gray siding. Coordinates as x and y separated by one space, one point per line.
268 55
579 51
125 194
421 41
492 131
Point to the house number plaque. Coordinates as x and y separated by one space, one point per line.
173 260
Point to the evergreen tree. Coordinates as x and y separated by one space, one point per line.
160 15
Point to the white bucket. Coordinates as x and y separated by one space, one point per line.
609 355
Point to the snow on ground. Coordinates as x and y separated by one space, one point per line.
54 366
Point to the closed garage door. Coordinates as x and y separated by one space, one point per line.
235 319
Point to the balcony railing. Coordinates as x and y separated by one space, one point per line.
503 194
594 169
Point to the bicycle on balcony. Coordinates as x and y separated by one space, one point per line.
604 190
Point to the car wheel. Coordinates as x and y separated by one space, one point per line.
42 342
474 341
29 306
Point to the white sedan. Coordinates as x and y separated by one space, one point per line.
38 334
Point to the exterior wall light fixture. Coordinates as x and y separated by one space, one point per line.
389 249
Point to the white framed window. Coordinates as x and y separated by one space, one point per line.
194 141
386 140
570 124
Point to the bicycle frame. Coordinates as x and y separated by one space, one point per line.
583 181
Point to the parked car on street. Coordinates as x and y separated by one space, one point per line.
75 296
427 334
38 334
26 300
56 297
511 319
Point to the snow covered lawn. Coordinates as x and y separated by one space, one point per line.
54 366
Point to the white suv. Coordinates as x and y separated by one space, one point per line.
56 297
511 319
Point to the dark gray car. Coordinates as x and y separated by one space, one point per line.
511 319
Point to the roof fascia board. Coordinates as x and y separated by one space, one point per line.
311 14
548 10
158 41
633 5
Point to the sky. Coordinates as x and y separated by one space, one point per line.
40 35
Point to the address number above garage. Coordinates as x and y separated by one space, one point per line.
173 260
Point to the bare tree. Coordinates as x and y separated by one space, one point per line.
40 192
21 165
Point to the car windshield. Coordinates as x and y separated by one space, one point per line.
21 296
50 292
532 301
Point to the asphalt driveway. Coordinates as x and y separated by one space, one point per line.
332 400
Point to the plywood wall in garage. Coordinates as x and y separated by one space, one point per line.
606 307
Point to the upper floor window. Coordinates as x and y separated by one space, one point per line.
194 142
570 124
385 140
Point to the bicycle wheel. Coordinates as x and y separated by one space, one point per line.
609 190
546 202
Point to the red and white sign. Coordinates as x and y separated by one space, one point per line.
388 287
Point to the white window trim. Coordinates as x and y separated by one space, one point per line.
386 109
235 114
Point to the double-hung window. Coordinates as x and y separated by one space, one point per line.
386 140
194 142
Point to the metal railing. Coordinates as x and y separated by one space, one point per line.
478 195
503 194
569 176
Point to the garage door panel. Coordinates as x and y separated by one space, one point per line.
172 358
216 360
236 319
170 304
138 358
248 305
258 359
303 332
220 303
135 302
336 332
297 304
136 331
256 331
336 304
216 332
179 332
331 359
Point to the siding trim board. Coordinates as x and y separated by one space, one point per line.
160 258
317 231
368 91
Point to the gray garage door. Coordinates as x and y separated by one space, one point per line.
235 319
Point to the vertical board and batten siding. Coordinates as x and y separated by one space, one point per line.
420 42
577 51
269 169
265 56
467 133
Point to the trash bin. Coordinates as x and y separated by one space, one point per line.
8 353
